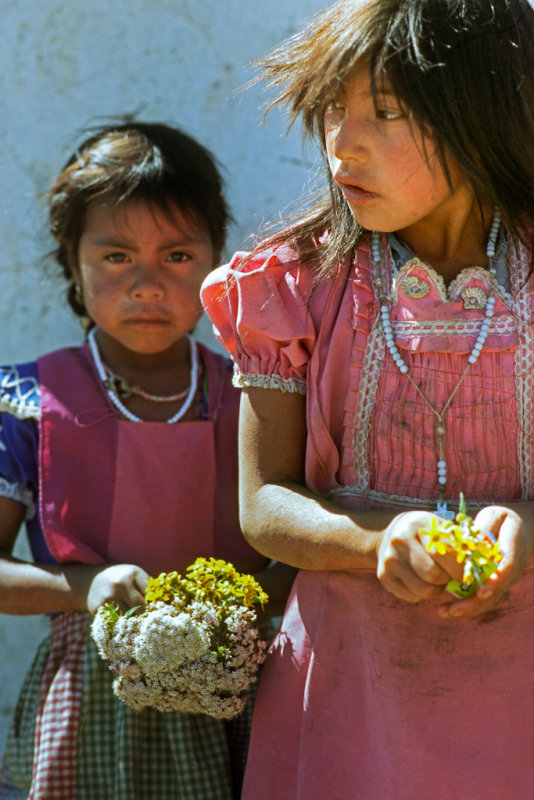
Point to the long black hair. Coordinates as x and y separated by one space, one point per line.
463 69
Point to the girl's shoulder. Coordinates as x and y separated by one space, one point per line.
266 273
275 261
20 393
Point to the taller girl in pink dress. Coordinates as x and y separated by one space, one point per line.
385 344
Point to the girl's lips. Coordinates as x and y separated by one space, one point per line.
356 194
148 321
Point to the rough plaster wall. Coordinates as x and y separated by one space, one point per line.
66 64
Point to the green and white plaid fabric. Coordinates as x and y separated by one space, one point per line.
122 754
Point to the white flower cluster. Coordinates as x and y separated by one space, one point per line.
184 660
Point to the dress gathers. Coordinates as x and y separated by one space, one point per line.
364 696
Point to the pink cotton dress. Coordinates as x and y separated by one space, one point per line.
363 696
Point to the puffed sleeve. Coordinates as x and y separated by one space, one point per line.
19 396
260 310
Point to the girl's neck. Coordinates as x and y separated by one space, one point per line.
451 247
159 373
157 387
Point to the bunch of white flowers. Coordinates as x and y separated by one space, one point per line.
195 648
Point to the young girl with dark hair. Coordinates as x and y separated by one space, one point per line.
121 456
385 343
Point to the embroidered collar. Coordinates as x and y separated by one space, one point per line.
401 254
472 286
19 394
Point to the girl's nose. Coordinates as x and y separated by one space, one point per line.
349 141
147 284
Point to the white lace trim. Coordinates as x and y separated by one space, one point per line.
373 361
20 495
19 396
241 379
524 364
408 329
394 499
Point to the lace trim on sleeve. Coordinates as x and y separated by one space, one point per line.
241 379
20 495
19 395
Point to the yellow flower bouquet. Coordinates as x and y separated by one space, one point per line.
194 648
477 551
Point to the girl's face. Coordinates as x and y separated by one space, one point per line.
388 172
141 271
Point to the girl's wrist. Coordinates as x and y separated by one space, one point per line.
79 578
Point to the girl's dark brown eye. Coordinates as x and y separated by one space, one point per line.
115 258
389 114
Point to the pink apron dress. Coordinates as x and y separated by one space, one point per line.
115 491
364 697
151 494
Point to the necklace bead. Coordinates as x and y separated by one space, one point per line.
389 336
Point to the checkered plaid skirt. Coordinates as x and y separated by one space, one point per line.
72 739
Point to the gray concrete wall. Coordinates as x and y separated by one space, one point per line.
66 64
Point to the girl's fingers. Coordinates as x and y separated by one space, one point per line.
409 587
405 568
408 571
412 552
123 584
515 544
486 597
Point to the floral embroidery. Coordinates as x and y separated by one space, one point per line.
19 395
474 297
415 287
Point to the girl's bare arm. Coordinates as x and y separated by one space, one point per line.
283 519
27 588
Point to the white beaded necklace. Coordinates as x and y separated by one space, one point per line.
116 400
376 253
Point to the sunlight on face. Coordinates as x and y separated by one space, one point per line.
141 270
387 170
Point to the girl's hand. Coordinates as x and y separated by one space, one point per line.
123 584
405 569
516 540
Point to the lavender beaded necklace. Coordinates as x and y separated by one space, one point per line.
387 327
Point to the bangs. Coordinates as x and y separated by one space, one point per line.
311 68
